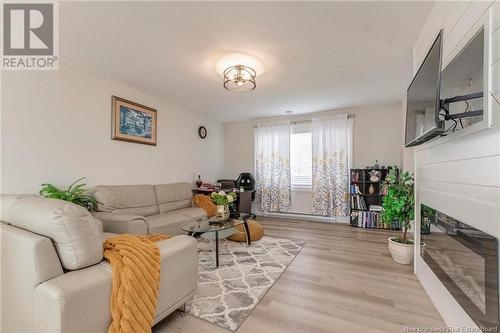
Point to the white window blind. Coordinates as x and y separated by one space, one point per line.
301 159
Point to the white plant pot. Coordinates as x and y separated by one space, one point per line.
422 249
401 253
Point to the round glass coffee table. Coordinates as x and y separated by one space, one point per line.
215 227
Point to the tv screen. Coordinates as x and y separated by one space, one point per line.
423 99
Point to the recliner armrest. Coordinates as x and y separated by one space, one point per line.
119 223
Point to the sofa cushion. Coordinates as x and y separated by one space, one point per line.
173 196
6 201
120 223
193 213
127 199
76 234
168 224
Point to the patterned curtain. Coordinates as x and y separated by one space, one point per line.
332 144
272 168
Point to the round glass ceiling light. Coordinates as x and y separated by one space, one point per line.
239 78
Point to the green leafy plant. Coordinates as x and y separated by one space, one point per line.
399 202
428 215
428 211
223 198
75 193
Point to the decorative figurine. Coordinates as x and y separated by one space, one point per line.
374 175
199 181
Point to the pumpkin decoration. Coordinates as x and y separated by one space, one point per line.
206 203
256 232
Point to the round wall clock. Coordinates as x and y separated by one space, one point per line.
202 132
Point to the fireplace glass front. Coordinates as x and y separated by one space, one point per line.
465 259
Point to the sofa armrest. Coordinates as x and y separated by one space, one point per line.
179 273
59 304
27 259
122 223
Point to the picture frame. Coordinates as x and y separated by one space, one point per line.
133 122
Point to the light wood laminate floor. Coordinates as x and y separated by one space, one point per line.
343 280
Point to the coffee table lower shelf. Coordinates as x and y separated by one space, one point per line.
197 232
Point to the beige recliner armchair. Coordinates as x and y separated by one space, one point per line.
53 276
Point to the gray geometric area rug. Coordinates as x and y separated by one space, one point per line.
227 295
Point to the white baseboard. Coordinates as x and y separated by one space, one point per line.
307 217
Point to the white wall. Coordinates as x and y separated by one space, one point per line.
459 175
238 148
376 136
56 127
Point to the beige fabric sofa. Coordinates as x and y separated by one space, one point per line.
54 278
146 209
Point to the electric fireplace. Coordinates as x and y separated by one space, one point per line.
465 259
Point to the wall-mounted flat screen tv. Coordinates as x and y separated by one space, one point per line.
423 99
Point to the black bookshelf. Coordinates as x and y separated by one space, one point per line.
361 215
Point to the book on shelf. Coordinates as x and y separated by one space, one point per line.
354 217
367 219
375 208
354 176
357 201
355 189
366 208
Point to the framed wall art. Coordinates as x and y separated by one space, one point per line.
133 122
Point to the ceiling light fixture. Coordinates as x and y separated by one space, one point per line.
239 78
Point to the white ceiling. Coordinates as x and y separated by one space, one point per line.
317 55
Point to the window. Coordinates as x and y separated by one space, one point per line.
301 158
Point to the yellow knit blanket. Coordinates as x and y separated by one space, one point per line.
135 262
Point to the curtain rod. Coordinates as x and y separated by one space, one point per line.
349 116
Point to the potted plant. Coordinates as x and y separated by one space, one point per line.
398 206
222 201
75 193
428 215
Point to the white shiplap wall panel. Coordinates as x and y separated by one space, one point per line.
453 18
459 175
494 104
476 208
495 22
495 74
452 38
457 10
495 49
495 108
439 13
483 171
476 145
487 195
